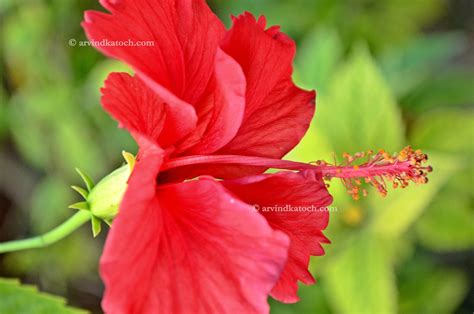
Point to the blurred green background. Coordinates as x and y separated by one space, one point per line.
388 73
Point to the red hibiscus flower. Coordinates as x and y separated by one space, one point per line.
219 105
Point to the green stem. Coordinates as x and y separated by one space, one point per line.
58 233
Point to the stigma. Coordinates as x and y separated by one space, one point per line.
378 170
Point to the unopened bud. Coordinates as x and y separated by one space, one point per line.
104 199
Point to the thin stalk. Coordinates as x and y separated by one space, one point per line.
53 236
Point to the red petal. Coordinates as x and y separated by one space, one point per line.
221 110
289 190
185 34
188 247
140 193
185 65
277 113
140 110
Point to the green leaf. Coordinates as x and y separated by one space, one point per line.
5 5
453 88
26 299
410 64
448 223
312 300
402 207
432 131
317 58
25 34
427 289
359 112
51 143
360 279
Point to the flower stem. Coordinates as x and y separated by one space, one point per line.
58 233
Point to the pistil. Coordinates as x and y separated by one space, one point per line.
373 169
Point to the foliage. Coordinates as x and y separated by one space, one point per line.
372 239
353 19
18 299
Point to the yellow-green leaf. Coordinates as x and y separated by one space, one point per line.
26 299
360 279
359 112
395 213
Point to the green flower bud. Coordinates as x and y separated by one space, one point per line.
105 197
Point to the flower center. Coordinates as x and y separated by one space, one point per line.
373 169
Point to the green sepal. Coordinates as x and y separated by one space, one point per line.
87 180
108 222
80 206
84 193
96 226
